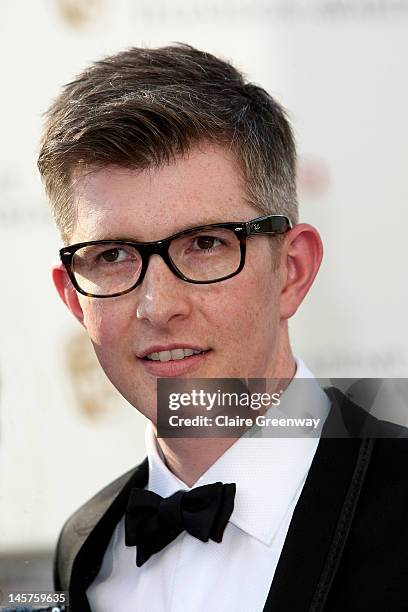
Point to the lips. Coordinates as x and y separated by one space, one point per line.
161 348
177 367
173 355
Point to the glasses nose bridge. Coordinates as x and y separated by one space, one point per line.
160 247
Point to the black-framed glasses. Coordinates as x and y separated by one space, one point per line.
200 255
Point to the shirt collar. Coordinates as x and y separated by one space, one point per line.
268 472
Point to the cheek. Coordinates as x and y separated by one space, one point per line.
105 321
245 307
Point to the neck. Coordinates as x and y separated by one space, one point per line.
190 458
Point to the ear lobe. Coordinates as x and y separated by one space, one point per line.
67 291
303 255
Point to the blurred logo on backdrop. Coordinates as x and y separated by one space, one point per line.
95 396
79 13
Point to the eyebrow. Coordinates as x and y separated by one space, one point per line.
176 231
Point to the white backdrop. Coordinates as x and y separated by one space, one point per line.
339 67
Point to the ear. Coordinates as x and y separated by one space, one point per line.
67 291
302 254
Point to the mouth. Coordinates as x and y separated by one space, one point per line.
174 354
174 362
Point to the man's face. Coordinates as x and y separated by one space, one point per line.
237 321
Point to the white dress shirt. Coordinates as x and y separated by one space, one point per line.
236 574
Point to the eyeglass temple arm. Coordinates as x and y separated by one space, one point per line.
269 224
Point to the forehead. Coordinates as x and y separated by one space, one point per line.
205 186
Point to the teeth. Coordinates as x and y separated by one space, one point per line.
174 354
177 354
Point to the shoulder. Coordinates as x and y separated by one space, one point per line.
86 516
82 522
388 464
359 422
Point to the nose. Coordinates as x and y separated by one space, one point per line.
162 296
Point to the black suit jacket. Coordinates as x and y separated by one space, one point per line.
347 544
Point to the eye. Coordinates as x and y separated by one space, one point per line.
206 242
114 255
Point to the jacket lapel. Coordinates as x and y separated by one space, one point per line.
312 542
105 512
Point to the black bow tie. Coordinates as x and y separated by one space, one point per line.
152 522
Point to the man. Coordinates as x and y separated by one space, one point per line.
172 181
